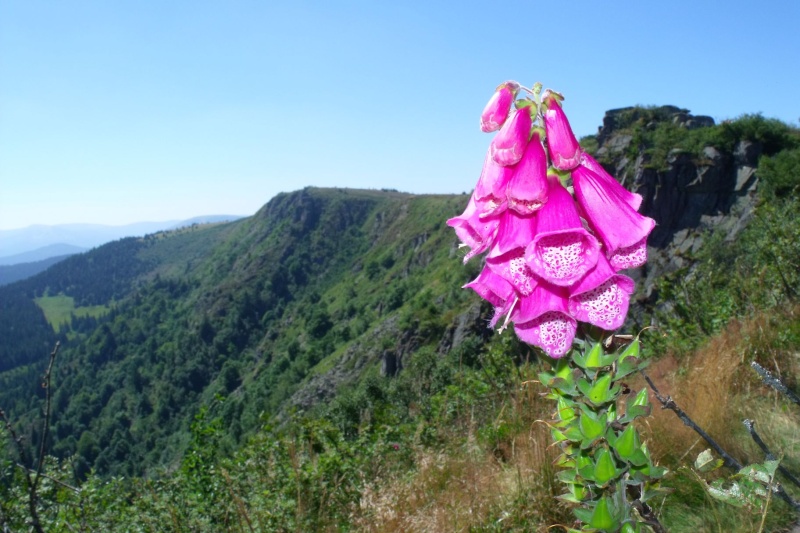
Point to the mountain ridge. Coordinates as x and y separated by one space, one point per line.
16 242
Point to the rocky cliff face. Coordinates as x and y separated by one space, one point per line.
686 194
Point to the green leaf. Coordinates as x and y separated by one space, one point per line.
601 392
627 527
522 102
627 443
594 358
637 406
632 350
733 495
590 425
566 411
605 468
629 366
705 462
602 517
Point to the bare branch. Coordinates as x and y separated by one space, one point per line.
728 460
775 383
669 403
46 422
751 428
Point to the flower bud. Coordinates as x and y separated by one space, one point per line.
510 142
527 187
496 111
565 152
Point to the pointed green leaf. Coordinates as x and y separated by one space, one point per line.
629 366
605 469
637 406
584 386
641 398
566 476
602 517
591 426
565 410
627 443
599 393
594 358
632 350
611 414
627 527
583 515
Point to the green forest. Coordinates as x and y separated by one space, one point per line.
318 367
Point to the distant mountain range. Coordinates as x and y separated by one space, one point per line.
38 242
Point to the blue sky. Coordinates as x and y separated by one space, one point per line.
116 112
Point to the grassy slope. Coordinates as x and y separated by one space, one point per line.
58 310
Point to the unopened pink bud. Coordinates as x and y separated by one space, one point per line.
510 142
565 152
527 187
496 111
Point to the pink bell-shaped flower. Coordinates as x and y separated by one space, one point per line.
490 192
602 297
527 188
623 231
475 232
562 251
543 319
494 290
514 231
509 144
565 152
632 199
496 111
512 267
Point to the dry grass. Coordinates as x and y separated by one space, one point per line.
511 485
718 389
471 487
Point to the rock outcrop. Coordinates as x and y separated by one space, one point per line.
686 195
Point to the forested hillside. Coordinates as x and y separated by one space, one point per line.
318 367
249 311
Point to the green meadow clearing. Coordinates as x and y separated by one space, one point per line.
58 310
